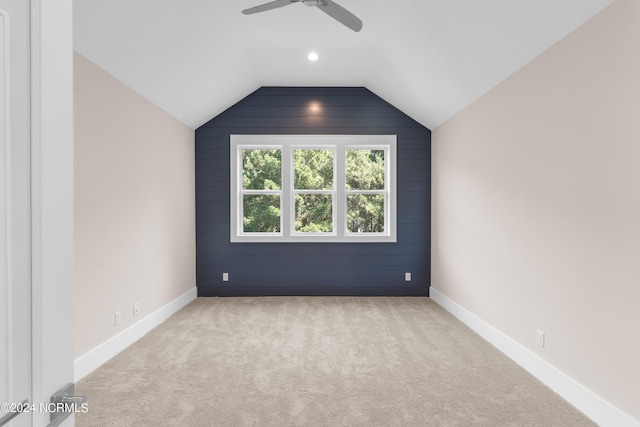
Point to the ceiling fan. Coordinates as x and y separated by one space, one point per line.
332 9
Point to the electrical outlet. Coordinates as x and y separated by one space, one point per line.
118 318
225 277
136 308
407 277
540 338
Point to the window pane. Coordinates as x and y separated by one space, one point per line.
261 169
365 169
313 169
365 213
261 213
314 213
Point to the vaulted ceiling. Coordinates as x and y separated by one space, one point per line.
430 58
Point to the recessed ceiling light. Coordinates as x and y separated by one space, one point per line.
312 56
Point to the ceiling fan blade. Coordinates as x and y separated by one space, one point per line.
268 6
340 14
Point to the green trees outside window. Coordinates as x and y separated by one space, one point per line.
365 169
313 189
365 172
261 171
314 213
261 213
313 169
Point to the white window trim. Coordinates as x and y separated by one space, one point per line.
288 143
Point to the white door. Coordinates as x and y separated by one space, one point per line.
15 212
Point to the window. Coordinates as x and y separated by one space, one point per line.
313 188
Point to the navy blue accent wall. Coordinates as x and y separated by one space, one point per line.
313 268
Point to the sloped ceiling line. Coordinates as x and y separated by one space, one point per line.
430 58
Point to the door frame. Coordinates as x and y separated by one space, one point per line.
51 200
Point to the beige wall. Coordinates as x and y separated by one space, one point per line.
134 206
536 206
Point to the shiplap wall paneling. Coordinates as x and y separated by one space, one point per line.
313 268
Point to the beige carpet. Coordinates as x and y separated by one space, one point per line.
317 361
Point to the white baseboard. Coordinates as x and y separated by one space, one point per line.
593 406
91 360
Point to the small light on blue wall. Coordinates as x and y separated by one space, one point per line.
312 57
314 107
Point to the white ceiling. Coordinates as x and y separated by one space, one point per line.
429 58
